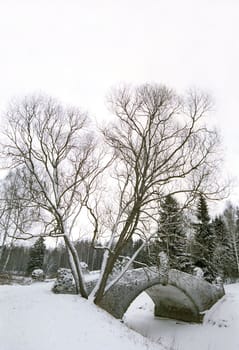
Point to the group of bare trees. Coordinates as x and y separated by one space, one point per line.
67 170
17 214
231 220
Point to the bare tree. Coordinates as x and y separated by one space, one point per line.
17 215
159 145
162 147
231 219
56 150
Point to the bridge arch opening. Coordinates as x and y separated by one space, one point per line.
140 311
165 301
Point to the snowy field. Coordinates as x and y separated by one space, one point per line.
219 331
33 318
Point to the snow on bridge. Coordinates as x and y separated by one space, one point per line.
176 295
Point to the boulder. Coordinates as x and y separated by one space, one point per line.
38 275
64 282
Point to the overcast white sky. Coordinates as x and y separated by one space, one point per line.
76 50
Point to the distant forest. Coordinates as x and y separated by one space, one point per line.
211 244
15 259
18 256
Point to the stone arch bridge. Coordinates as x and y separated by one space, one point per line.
176 295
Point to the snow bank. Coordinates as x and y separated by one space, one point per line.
33 318
219 330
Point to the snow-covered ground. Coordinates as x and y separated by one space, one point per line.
219 331
33 318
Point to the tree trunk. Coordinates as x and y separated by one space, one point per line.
76 269
73 270
99 293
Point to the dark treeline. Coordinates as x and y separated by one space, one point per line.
212 244
15 259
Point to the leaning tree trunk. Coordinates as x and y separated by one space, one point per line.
73 270
75 267
99 293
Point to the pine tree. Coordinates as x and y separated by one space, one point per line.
204 240
171 235
202 210
36 257
222 255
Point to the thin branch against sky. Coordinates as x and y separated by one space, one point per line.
76 50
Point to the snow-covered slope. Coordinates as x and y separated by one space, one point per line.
33 318
219 331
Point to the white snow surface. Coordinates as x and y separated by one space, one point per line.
219 331
33 318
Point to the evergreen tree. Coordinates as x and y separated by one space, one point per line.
36 256
202 210
222 255
204 240
171 235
